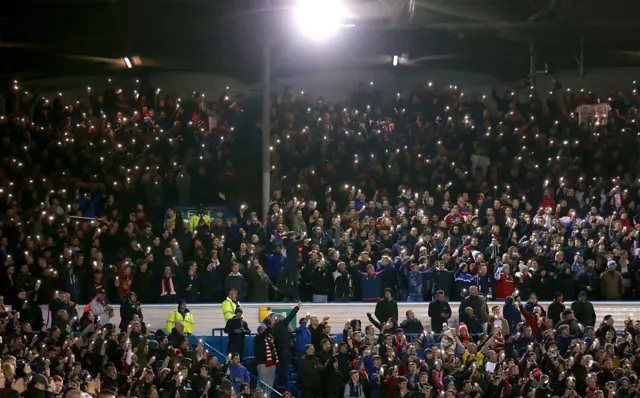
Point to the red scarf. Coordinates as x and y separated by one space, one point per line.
271 356
167 286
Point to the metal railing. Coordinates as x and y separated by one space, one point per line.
255 383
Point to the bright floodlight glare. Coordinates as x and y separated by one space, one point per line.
319 19
395 60
127 62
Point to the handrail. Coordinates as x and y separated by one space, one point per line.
255 382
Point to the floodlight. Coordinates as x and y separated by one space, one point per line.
127 62
319 19
395 60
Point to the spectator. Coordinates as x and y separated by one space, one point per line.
230 304
387 307
266 355
235 281
411 324
102 311
282 333
439 312
130 310
182 315
353 388
555 309
583 310
237 373
303 336
611 282
236 328
262 289
311 371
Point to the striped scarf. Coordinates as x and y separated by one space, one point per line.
271 356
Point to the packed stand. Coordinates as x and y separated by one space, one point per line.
431 195
511 350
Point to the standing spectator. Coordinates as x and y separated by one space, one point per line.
235 281
100 309
312 369
282 333
343 284
611 282
266 355
535 320
238 374
555 310
504 281
275 262
143 284
354 389
183 315
168 287
303 336
191 284
474 301
439 312
129 310
236 328
261 285
387 307
320 279
583 310
230 304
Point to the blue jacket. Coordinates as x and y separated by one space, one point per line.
564 343
239 373
274 263
511 314
415 283
303 337
372 286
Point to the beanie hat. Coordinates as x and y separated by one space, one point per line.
611 264
462 328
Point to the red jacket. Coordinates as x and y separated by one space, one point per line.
532 321
504 286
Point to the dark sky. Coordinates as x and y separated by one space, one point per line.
40 38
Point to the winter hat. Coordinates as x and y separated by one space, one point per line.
537 373
466 248
462 328
303 320
611 264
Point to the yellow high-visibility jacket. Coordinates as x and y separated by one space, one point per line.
229 309
176 316
195 220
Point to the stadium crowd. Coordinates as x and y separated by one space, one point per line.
432 196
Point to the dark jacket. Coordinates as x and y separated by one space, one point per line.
386 309
554 312
412 326
260 343
144 286
128 310
311 369
584 313
435 309
281 332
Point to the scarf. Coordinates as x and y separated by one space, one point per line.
271 356
171 290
